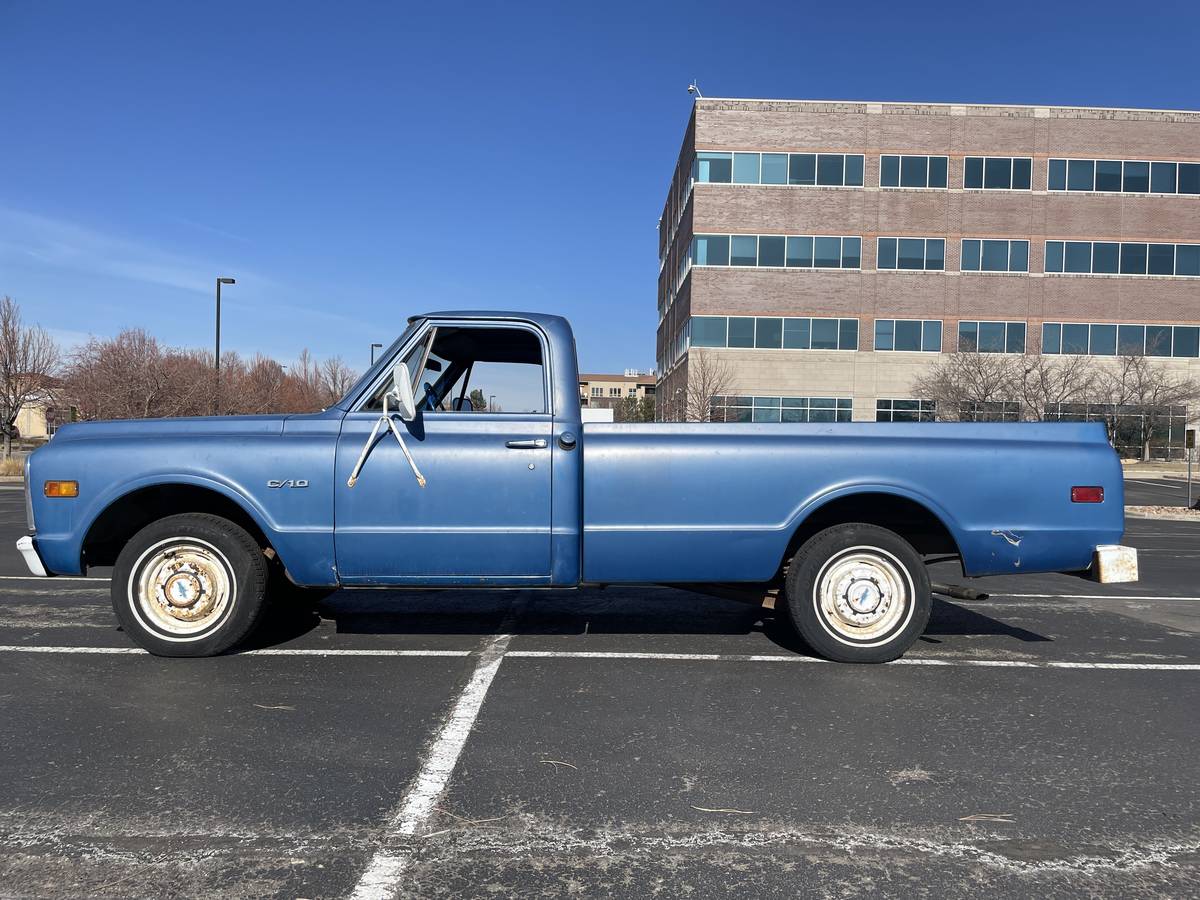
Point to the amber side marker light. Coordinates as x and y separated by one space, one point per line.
61 489
1087 495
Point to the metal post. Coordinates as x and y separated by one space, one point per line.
373 346
217 348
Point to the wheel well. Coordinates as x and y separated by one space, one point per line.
908 518
130 514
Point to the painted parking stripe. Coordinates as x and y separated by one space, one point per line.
645 655
63 579
1088 596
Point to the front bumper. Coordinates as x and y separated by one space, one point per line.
1114 564
29 553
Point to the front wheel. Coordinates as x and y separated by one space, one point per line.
189 585
858 593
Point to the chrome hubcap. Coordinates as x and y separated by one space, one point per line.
183 587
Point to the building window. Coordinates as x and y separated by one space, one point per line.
825 169
781 409
774 333
989 411
597 392
1123 176
904 410
1129 426
1113 258
909 334
911 254
1107 339
987 255
912 171
991 337
777 251
998 173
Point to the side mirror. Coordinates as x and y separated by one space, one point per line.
402 393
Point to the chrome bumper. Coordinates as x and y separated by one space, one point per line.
30 555
1115 564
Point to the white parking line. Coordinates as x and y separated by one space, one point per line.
1090 596
636 655
56 580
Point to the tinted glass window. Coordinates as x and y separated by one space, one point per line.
997 172
1158 340
931 336
1187 341
827 252
796 334
991 337
1074 339
995 256
937 171
771 250
851 252
970 256
968 336
774 168
1162 178
914 171
935 254
824 334
1133 259
1081 174
1056 176
712 250
854 170
1051 338
1079 256
1104 340
741 331
973 172
1162 259
1187 259
1108 175
768 334
1131 340
1105 257
1015 342
1137 177
1022 174
908 335
802 168
830 168
912 253
1054 256
800 252
708 331
1018 256
885 330
847 334
714 167
889 171
887 253
1189 178
743 250
745 168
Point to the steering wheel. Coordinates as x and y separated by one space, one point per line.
429 403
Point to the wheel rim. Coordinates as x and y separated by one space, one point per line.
182 588
863 595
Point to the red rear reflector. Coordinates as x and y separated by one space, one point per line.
1087 495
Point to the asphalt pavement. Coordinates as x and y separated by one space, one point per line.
622 742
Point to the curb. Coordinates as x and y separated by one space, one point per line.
1141 512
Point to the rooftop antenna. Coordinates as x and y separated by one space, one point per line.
694 89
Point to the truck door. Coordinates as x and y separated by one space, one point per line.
481 439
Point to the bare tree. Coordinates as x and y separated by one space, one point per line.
632 409
28 360
961 383
1044 382
708 376
1141 392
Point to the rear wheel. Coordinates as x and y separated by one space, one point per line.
189 585
858 593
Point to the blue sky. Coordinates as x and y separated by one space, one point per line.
354 163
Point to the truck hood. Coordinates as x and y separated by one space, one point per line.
197 426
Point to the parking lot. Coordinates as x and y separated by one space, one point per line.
623 742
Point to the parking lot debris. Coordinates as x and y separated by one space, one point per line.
1004 818
556 763
735 812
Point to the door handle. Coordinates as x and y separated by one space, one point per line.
534 444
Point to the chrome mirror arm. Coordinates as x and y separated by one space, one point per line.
384 419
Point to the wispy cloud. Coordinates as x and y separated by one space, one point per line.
66 245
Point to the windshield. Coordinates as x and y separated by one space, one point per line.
369 375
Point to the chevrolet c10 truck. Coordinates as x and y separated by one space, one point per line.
460 459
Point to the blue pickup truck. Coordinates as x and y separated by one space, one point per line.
460 459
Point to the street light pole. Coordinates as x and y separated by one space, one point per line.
373 346
217 355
